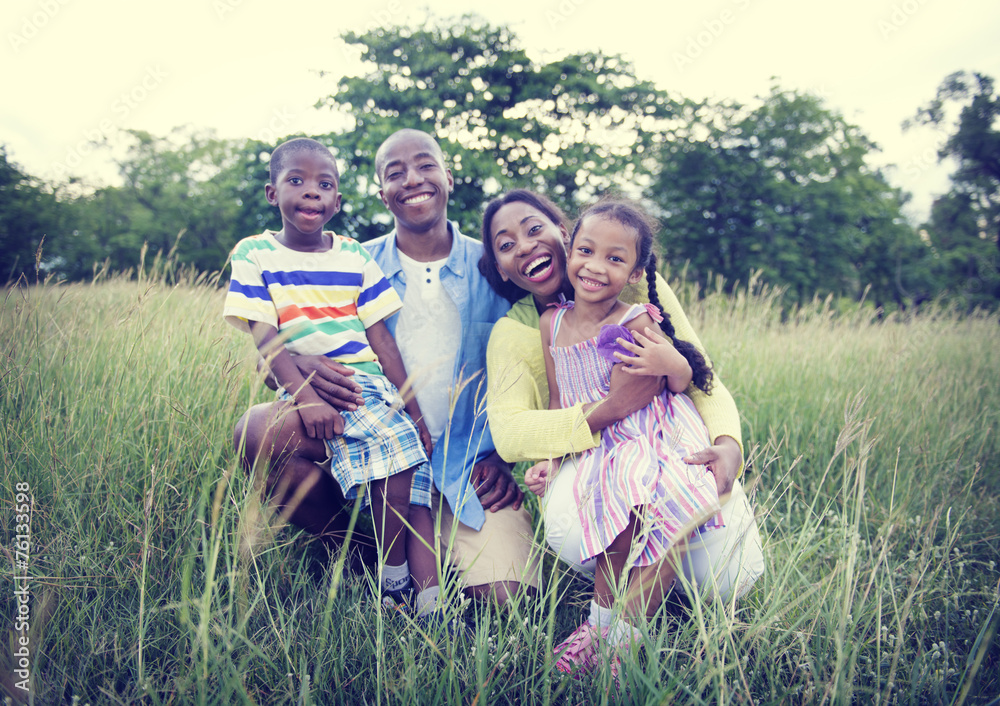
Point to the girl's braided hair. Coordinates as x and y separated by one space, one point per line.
630 215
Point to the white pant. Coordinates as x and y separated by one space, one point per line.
722 563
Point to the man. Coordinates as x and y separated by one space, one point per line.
442 332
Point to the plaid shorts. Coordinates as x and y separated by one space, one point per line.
379 441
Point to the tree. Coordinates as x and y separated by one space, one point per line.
783 188
963 261
191 195
570 127
974 142
28 213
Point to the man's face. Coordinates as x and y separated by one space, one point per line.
415 182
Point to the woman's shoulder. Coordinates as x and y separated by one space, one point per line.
512 340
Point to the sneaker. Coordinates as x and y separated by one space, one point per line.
397 602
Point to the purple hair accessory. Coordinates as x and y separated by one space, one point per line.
607 341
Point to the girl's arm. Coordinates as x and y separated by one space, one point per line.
384 346
522 426
654 354
321 421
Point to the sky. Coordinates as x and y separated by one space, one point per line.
79 70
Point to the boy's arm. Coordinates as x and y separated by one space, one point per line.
321 421
384 346
330 380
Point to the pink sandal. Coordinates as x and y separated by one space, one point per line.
577 654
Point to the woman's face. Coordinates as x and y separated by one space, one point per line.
530 249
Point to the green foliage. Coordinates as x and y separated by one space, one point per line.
156 575
190 196
781 188
28 213
965 224
571 127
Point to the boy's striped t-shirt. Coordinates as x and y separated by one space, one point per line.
320 302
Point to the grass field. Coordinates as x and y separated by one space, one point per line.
154 576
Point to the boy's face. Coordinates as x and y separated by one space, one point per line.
415 182
306 193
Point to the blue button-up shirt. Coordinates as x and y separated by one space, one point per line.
466 439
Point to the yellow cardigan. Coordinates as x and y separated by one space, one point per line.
523 427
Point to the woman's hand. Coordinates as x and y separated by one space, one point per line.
331 381
537 477
723 459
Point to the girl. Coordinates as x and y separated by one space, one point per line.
637 498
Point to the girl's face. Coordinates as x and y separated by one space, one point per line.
530 249
602 259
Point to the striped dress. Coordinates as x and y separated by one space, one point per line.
639 463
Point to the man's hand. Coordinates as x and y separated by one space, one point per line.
494 484
723 460
331 381
425 436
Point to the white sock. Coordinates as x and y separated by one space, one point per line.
427 599
600 617
395 578
622 633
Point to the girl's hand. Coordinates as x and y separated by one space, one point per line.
538 476
652 354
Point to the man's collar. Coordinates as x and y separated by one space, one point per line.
455 263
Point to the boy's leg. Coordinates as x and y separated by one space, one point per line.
272 435
421 553
390 504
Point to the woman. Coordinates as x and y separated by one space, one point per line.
524 238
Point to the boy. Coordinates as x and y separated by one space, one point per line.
449 310
306 291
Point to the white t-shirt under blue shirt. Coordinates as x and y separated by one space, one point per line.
428 336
